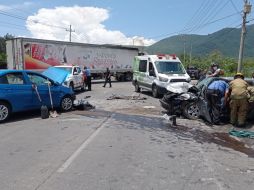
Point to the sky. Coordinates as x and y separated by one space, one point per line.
132 22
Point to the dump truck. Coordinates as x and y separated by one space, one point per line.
39 54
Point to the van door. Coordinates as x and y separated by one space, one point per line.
142 70
150 75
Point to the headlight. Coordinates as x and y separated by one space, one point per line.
162 79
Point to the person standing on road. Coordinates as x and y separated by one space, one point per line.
238 100
217 93
88 78
107 78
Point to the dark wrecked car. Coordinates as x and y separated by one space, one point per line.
191 101
193 72
18 91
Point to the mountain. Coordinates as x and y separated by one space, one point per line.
226 41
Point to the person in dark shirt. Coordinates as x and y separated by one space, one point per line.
88 78
217 93
107 78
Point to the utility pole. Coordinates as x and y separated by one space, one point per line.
190 52
70 30
246 10
184 47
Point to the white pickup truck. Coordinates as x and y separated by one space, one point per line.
75 78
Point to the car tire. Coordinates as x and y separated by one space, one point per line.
66 103
137 88
155 91
191 111
5 111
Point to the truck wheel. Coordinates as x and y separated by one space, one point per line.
137 88
191 110
66 103
5 111
155 91
128 77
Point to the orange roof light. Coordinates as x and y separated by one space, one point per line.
167 56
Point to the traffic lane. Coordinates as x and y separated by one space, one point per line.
128 109
139 152
33 149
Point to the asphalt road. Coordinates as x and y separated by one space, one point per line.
124 143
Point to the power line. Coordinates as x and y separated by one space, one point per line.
182 31
234 6
211 15
33 21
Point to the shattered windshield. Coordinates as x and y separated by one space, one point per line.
167 67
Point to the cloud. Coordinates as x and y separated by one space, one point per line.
87 26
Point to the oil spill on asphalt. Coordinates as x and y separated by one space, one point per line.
183 132
139 111
222 139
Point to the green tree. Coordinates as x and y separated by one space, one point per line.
3 56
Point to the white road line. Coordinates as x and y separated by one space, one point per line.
68 162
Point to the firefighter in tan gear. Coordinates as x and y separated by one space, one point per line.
238 100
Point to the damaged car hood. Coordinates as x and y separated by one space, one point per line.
55 74
178 87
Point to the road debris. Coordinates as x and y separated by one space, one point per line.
82 105
242 133
171 119
114 96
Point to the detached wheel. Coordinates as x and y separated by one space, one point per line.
5 111
137 88
66 103
191 111
155 91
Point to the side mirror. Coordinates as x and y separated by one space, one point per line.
151 73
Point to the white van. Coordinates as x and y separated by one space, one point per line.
155 72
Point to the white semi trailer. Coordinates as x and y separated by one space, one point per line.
39 54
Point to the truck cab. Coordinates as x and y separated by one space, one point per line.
75 78
155 72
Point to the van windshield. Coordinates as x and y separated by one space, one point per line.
167 67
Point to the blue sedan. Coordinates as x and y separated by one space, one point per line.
22 90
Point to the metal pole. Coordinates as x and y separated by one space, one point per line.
247 9
184 44
191 53
70 30
70 33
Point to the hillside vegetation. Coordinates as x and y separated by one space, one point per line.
226 41
201 50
